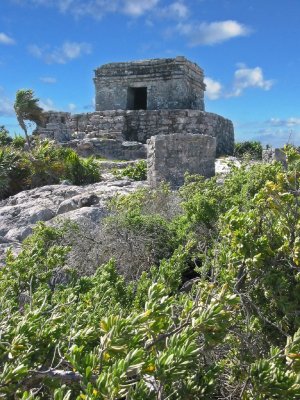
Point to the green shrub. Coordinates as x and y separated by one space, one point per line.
232 332
87 333
51 163
81 171
14 171
251 149
45 164
8 162
18 142
136 172
5 139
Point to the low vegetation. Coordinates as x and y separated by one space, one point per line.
45 164
136 172
198 297
5 139
248 149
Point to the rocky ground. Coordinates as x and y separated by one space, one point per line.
20 213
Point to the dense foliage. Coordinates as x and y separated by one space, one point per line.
5 138
45 164
250 149
137 172
213 315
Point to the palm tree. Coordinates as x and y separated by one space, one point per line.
26 108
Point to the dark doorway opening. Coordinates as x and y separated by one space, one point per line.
137 98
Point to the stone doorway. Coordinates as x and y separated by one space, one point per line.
137 98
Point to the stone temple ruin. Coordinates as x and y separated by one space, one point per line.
136 101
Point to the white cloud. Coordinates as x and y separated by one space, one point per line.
35 50
68 51
96 8
6 105
176 10
288 123
64 5
275 131
5 39
72 107
212 33
245 78
136 8
48 79
179 9
47 105
213 88
278 137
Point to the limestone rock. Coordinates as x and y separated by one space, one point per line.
84 200
52 203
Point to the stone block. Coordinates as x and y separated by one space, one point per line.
274 154
169 157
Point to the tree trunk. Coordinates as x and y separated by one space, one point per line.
23 126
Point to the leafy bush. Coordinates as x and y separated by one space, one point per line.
137 172
84 332
81 171
4 136
14 172
45 164
138 233
232 331
252 149
18 142
7 164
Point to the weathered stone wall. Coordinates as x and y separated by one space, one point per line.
169 157
55 126
172 83
271 154
108 148
140 125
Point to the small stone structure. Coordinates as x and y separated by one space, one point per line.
136 101
169 157
56 126
157 84
99 129
274 154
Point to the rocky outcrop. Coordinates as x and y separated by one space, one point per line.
20 213
85 205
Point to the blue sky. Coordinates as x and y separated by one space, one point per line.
249 50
